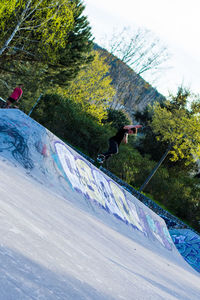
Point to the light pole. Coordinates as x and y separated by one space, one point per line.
30 112
156 168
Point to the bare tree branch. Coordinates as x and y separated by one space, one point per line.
141 50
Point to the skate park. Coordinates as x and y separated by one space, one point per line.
70 231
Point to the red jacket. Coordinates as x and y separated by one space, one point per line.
16 94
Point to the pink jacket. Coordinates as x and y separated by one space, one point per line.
16 94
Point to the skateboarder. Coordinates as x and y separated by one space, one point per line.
15 96
115 141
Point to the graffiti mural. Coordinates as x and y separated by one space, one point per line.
97 187
188 244
13 141
57 165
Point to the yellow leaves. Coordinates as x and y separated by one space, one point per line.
174 156
7 8
45 22
56 22
92 88
179 128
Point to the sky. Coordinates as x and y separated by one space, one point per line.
175 22
57 243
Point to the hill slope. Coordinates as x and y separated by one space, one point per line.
133 92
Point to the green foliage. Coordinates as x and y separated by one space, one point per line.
60 35
129 165
42 76
35 28
7 8
165 124
179 101
116 118
70 122
173 189
175 125
148 143
180 193
92 88
77 52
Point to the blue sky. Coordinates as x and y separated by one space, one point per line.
175 22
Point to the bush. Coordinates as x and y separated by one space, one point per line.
117 118
70 122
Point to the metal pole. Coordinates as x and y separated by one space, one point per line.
2 103
30 112
155 169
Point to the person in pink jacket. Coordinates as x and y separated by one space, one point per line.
15 96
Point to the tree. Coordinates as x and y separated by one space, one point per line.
71 123
140 49
179 127
138 52
92 88
77 52
117 118
40 76
34 29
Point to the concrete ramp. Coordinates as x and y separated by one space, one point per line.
188 244
55 164
46 160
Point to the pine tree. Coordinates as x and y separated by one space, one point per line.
77 52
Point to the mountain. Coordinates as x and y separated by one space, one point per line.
133 93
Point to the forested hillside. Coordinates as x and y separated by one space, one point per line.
132 92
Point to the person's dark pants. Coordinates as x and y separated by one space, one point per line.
113 149
10 101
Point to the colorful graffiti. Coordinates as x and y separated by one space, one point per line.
56 163
97 187
13 141
188 244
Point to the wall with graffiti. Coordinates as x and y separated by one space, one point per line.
188 244
46 158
